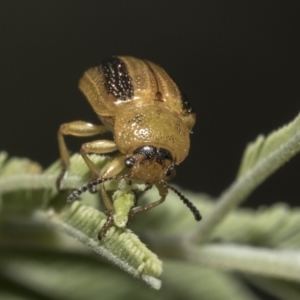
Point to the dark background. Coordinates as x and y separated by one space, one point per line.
237 62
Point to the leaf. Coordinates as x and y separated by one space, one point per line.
63 275
81 221
263 146
276 226
278 288
261 159
52 274
120 246
265 242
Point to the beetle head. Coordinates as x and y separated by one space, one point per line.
150 164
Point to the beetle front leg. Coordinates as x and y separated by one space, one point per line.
78 129
163 192
102 147
96 147
114 168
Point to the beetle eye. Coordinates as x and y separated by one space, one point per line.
129 162
170 170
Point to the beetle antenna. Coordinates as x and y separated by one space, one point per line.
186 201
75 194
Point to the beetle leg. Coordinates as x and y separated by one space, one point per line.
163 192
113 169
102 232
78 129
96 147
101 147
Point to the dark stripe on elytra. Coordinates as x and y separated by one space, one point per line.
186 104
184 101
117 80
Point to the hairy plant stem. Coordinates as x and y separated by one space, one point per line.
242 188
284 264
37 181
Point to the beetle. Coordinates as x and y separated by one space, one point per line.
150 119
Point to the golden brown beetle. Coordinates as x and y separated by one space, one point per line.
151 121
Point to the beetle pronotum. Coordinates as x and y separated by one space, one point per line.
150 119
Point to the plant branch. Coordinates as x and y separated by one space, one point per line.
275 263
105 250
284 264
37 181
242 187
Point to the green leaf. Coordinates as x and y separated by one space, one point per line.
120 246
81 221
261 159
263 147
50 274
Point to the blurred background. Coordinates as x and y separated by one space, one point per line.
237 62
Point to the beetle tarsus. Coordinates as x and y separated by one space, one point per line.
59 180
106 226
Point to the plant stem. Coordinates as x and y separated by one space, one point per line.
37 181
241 188
260 261
276 263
